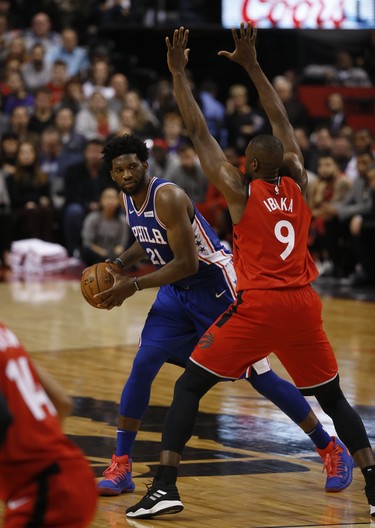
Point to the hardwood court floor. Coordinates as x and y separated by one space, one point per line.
247 464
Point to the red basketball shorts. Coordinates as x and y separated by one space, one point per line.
66 498
287 322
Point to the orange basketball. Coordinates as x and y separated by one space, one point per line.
95 279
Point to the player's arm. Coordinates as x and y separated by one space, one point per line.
5 418
62 402
175 210
245 55
213 160
131 256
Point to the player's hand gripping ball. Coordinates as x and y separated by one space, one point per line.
95 279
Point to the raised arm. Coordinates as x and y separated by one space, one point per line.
223 175
245 55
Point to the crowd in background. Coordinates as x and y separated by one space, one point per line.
62 98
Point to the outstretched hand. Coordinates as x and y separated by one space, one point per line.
245 52
178 54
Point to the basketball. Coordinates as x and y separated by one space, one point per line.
95 279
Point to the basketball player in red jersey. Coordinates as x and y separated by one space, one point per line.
276 308
44 478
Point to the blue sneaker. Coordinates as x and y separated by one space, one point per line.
338 463
118 477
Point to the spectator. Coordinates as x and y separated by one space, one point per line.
96 121
105 233
41 32
75 57
72 96
342 73
331 185
146 123
127 122
347 74
363 140
321 143
18 95
242 122
9 144
120 84
161 99
59 77
16 49
297 112
173 131
213 110
73 143
368 59
362 230
343 152
35 72
29 192
189 175
309 155
5 220
6 34
98 80
161 163
339 214
337 118
10 66
42 116
215 208
19 124
83 184
52 163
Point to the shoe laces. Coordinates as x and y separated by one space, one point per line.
116 471
333 463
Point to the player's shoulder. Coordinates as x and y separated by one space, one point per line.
168 194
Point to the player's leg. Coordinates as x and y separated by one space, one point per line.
311 362
290 400
350 428
163 496
166 333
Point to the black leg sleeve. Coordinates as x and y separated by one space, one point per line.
347 422
180 419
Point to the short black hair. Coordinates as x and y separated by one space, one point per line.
126 144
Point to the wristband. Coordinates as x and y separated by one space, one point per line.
137 287
120 262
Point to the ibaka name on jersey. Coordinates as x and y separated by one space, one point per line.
282 204
153 236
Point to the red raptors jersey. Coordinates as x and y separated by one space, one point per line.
270 242
34 439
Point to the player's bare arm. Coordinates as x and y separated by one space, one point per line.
245 55
175 211
132 255
214 163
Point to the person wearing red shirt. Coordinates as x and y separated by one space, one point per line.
45 480
276 309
